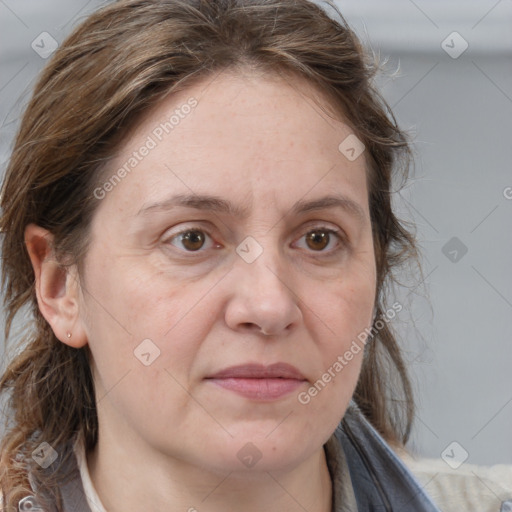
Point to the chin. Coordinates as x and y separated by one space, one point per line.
246 454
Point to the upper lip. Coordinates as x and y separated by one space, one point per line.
260 371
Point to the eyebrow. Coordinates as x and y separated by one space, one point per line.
331 201
219 205
199 202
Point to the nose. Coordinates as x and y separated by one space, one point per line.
262 298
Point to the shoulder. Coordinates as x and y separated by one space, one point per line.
468 486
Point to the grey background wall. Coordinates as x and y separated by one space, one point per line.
455 98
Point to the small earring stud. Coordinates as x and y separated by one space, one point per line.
68 335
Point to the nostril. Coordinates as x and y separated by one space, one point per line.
249 326
253 327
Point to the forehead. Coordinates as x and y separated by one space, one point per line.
241 134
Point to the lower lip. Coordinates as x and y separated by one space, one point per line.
259 389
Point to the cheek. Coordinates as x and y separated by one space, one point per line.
345 309
346 314
144 336
347 306
138 315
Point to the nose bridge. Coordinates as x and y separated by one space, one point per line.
260 265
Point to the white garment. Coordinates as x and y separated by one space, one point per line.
90 492
468 488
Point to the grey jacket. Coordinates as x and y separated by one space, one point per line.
380 481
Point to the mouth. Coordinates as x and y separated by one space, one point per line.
259 382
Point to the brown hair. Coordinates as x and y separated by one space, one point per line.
121 61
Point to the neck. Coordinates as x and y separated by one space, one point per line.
143 479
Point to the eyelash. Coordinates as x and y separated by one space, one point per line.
339 234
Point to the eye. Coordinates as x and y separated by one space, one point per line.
319 239
192 240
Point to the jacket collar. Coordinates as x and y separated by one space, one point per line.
380 479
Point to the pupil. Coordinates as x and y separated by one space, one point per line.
317 240
193 240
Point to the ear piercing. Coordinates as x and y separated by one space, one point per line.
68 334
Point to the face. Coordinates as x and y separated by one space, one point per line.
231 265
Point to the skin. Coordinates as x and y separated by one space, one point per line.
262 143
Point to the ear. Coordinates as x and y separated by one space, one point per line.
57 288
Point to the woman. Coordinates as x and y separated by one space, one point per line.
197 213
